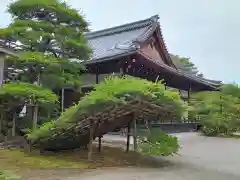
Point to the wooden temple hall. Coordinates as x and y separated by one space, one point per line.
135 49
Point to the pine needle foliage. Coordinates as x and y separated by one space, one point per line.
48 38
49 34
114 91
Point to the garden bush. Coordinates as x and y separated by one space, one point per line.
217 112
158 143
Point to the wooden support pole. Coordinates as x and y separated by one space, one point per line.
135 131
90 146
128 136
29 146
99 143
62 99
188 98
14 125
99 138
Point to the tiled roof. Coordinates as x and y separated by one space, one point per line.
120 40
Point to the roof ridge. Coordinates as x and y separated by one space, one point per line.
122 28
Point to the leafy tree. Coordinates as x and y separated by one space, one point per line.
184 64
231 89
218 112
48 33
48 36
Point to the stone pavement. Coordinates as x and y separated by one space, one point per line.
200 158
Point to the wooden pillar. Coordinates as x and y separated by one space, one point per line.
128 136
90 141
135 131
2 58
188 99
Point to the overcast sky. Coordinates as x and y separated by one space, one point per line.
207 31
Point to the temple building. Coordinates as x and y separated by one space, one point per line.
137 49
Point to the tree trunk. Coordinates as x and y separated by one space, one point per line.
36 109
62 100
14 125
35 117
1 123
2 58
90 142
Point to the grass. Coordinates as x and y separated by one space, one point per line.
19 160
8 176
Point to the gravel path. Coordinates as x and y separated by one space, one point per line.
201 158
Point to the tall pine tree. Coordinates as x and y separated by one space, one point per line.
48 36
